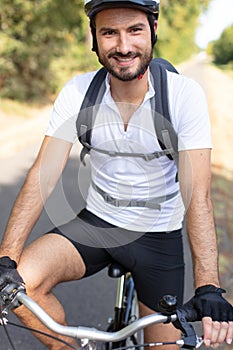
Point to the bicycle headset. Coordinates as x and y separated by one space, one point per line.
151 7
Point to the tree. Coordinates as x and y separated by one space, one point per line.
32 32
177 25
222 49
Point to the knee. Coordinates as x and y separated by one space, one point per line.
33 277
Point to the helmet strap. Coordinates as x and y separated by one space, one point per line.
151 20
94 40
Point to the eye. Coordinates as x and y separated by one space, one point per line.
109 32
135 30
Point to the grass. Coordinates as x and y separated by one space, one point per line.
226 68
15 108
222 197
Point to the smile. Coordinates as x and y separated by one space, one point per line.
125 60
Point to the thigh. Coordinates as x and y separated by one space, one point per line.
89 235
49 260
95 259
159 267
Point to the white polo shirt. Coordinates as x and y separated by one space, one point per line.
132 177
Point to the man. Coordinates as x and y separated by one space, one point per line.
147 241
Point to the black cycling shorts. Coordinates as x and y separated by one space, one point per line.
155 259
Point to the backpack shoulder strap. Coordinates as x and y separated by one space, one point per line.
165 132
85 119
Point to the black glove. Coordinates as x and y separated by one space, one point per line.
8 272
209 302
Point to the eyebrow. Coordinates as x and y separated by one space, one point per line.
136 25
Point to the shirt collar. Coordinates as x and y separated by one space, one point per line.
108 98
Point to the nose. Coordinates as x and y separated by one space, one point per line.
123 44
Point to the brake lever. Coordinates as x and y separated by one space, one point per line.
8 296
190 338
200 341
185 342
168 305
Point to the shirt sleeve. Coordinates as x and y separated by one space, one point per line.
189 113
65 111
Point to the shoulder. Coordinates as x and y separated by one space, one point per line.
180 81
189 112
66 107
185 94
179 84
72 94
79 83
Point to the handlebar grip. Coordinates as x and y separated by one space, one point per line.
190 313
168 305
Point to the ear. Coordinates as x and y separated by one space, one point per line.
155 25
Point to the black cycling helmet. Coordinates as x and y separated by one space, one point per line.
93 6
151 7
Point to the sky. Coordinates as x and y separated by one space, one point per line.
214 21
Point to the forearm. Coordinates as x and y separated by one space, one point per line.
203 242
38 186
25 213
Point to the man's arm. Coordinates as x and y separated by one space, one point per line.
195 182
39 184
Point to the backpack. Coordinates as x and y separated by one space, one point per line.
165 133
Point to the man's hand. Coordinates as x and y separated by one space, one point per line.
216 314
8 272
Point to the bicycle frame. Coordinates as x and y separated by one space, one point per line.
123 305
125 289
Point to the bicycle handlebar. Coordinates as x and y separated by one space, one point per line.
16 295
87 332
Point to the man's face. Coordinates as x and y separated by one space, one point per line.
124 42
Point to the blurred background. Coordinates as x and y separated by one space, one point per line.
44 43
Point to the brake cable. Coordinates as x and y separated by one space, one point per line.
5 322
8 300
180 342
9 338
145 345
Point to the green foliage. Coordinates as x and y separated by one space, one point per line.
44 42
177 26
32 32
222 49
76 59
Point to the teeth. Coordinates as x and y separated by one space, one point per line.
125 59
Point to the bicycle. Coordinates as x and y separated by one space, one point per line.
126 307
123 331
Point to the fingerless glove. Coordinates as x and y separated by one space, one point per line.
209 302
8 272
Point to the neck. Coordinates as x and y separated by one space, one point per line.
129 95
129 91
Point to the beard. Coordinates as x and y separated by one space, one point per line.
124 73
